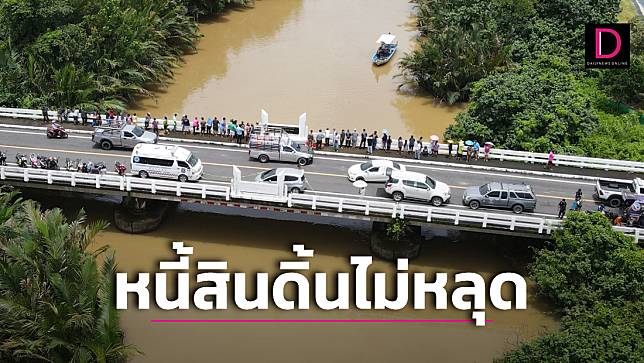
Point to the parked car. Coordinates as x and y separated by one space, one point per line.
615 193
165 161
411 185
127 136
517 197
294 179
374 170
280 147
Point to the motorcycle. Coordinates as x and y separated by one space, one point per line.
3 158
21 160
56 131
51 163
120 168
98 168
36 162
71 165
92 168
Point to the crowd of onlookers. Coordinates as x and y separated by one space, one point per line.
233 129
462 150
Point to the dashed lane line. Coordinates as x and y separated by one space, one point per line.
230 165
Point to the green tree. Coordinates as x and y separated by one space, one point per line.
602 334
535 106
56 305
588 263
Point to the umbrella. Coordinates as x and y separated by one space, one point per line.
433 138
360 184
489 143
469 143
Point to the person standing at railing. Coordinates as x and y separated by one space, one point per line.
146 122
342 136
45 113
165 125
486 151
363 139
83 115
155 126
418 148
475 148
412 143
400 145
209 126
450 147
354 138
174 123
318 140
551 160
459 150
327 137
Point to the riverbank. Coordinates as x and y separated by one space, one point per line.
276 56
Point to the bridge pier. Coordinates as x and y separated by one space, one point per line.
138 215
384 246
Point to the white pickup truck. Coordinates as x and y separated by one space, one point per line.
615 193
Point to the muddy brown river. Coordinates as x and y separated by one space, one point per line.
256 243
295 56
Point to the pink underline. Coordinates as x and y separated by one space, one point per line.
313 321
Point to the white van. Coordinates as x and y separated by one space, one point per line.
165 161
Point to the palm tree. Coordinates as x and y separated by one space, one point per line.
56 305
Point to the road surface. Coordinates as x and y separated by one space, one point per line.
327 175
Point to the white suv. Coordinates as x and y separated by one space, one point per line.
413 185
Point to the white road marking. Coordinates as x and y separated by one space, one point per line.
354 161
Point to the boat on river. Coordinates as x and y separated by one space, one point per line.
386 50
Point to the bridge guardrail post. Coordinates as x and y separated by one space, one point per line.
513 222
429 214
121 184
484 220
3 174
401 213
340 205
541 223
153 187
178 192
456 217
314 202
366 209
203 191
26 175
289 200
98 181
128 184
393 213
73 181
228 194
637 235
49 180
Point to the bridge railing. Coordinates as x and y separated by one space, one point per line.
349 206
498 154
115 182
424 213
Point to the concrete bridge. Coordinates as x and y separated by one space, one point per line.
332 194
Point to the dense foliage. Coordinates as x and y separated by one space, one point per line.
93 54
56 303
524 77
530 107
594 275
